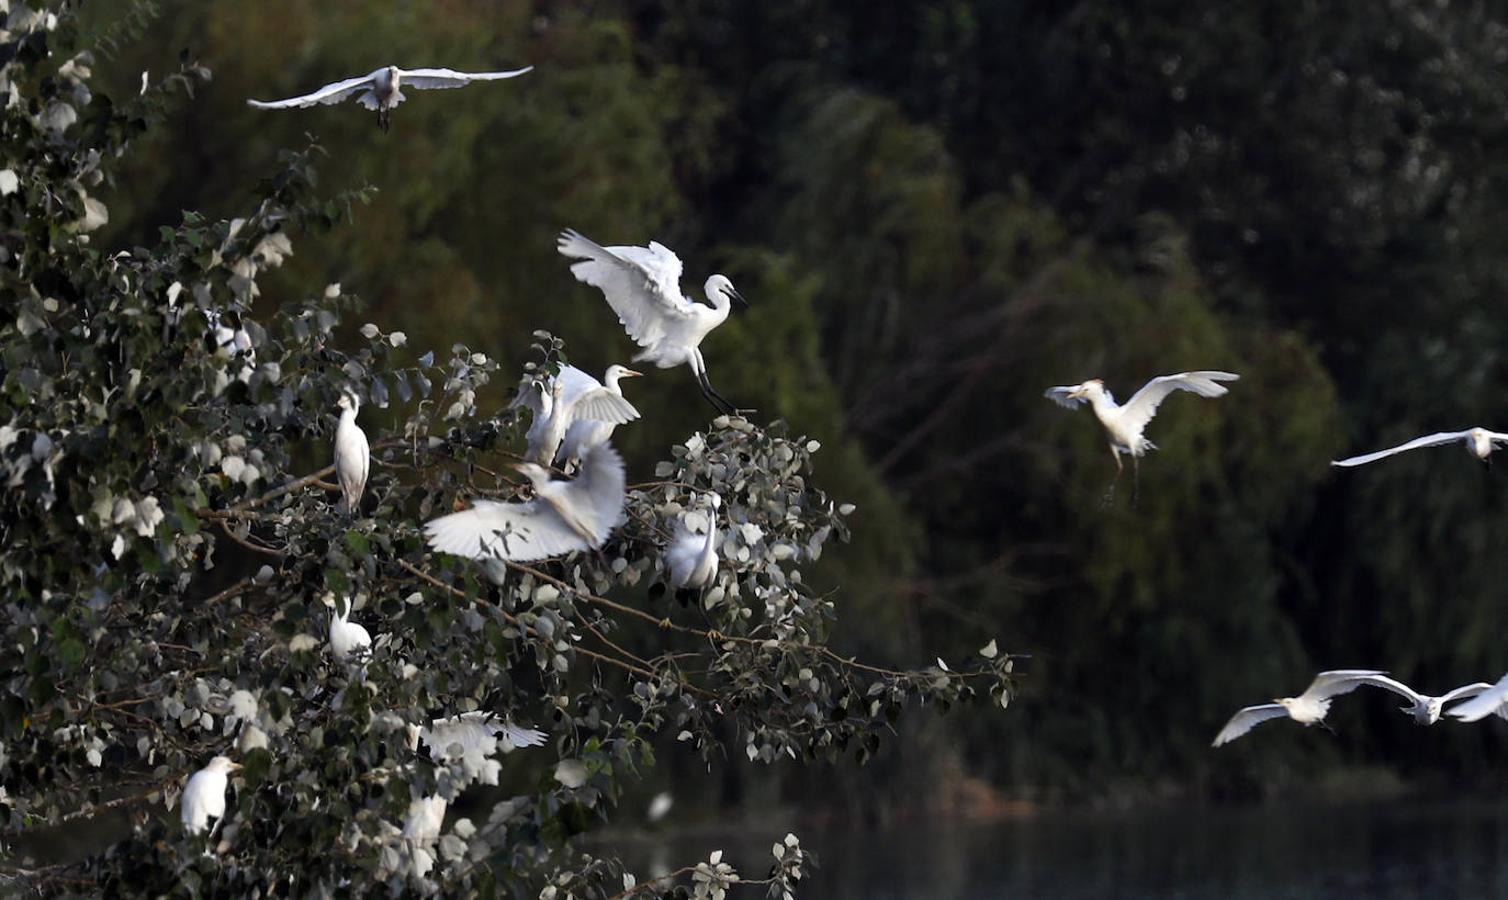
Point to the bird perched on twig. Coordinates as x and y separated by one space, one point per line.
643 286
383 89
1310 707
692 557
353 455
204 795
1479 442
347 638
563 517
572 400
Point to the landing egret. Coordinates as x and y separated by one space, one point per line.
382 89
204 795
347 638
563 517
1493 700
571 399
692 557
473 730
586 432
1309 707
353 456
643 286
1479 442
1125 423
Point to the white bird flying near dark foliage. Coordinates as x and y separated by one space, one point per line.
563 517
1479 443
1425 709
383 89
1311 706
570 400
643 286
353 456
1492 701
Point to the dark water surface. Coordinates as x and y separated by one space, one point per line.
1394 848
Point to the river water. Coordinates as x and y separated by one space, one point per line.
1387 849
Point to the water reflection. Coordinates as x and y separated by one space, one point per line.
1383 849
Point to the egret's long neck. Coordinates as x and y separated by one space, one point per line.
711 542
1104 407
722 304
347 417
610 381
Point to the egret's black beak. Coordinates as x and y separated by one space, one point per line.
737 297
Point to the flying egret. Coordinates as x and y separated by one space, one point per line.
1426 710
1309 707
586 432
1493 700
692 557
382 89
347 638
204 795
473 730
643 286
563 517
353 456
572 398
1479 442
1125 423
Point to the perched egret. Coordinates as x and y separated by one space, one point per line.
643 286
1493 700
569 400
563 517
692 557
1309 707
473 730
425 817
1125 423
1479 442
586 432
1424 709
204 795
382 89
347 638
353 456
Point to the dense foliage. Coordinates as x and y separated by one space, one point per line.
174 553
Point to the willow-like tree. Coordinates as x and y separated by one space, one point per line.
174 548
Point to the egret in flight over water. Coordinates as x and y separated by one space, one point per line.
383 89
1309 707
1479 442
563 517
204 795
1126 422
1493 700
570 399
643 286
353 455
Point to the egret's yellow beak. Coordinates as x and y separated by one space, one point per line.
630 373
236 767
1078 393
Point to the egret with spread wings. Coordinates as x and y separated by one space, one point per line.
1492 701
563 517
1479 442
1310 707
570 400
643 286
383 89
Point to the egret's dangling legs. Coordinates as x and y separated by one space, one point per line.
1109 497
699 366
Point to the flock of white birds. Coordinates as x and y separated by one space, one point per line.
573 416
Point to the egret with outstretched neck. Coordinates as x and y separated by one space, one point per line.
382 89
1479 443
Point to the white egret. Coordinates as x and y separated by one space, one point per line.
1425 709
563 517
1493 700
477 730
692 557
1125 423
1309 707
572 398
643 286
204 795
425 817
586 432
1479 442
353 456
382 90
347 638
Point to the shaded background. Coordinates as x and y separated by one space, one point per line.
938 209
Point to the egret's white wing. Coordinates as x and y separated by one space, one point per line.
591 504
443 79
330 93
602 405
1465 691
1142 406
1429 440
574 382
1484 704
1378 680
640 290
522 532
1060 396
1344 681
472 731
1246 720
1497 437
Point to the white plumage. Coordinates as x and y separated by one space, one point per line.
1312 705
572 399
1479 442
204 795
563 517
692 557
643 286
353 456
475 730
594 430
347 638
1493 700
382 89
1125 423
